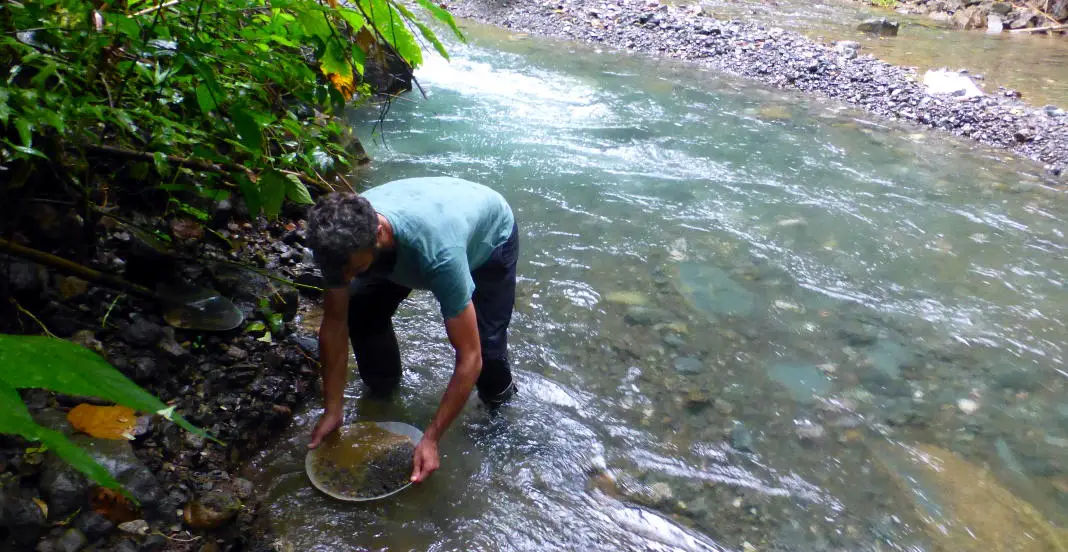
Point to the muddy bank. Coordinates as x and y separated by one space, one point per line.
242 385
785 59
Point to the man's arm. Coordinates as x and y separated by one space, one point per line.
463 334
333 352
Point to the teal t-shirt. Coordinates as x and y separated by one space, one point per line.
443 228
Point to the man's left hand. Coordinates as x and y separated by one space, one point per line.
425 460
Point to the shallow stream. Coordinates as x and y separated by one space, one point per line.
747 320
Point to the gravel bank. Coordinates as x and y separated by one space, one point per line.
788 60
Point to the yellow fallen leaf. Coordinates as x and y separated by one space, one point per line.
103 422
343 84
112 505
41 504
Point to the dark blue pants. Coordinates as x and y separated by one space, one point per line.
374 342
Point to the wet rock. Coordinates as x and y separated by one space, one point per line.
309 280
153 543
64 488
879 26
308 344
135 527
1023 19
972 17
93 525
293 237
286 301
24 521
644 316
804 382
722 406
72 540
689 365
740 437
1059 10
87 339
119 459
212 510
1019 380
810 432
140 369
236 354
22 276
141 332
1024 135
847 48
126 545
71 286
967 406
170 346
244 488
1001 8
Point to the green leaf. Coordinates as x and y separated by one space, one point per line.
5 110
272 192
335 61
15 419
353 18
204 98
25 149
432 38
251 192
161 163
390 24
296 191
25 134
444 16
64 367
247 129
314 23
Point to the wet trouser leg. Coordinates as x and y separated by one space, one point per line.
494 299
374 343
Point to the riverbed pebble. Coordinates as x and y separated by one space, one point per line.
967 406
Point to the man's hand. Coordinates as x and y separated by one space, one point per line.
425 459
328 422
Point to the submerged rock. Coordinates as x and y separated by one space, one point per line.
964 508
880 26
741 439
212 510
72 540
65 489
689 365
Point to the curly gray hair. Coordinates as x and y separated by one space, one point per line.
339 225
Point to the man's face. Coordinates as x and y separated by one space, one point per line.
359 262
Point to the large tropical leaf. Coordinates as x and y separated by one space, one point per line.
444 16
61 366
390 25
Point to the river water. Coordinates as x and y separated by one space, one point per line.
745 319
1033 64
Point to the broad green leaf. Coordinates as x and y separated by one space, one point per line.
204 99
296 191
251 192
314 23
335 61
15 420
390 24
26 150
64 367
432 38
161 163
5 110
444 16
25 133
353 18
272 192
247 129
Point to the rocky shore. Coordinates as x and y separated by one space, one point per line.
242 386
1045 16
788 60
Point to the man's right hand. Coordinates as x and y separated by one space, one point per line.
328 422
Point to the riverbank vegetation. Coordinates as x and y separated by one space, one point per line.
170 108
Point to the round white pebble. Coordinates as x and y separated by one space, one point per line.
967 406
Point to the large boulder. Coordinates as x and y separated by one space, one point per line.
65 489
972 17
879 26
